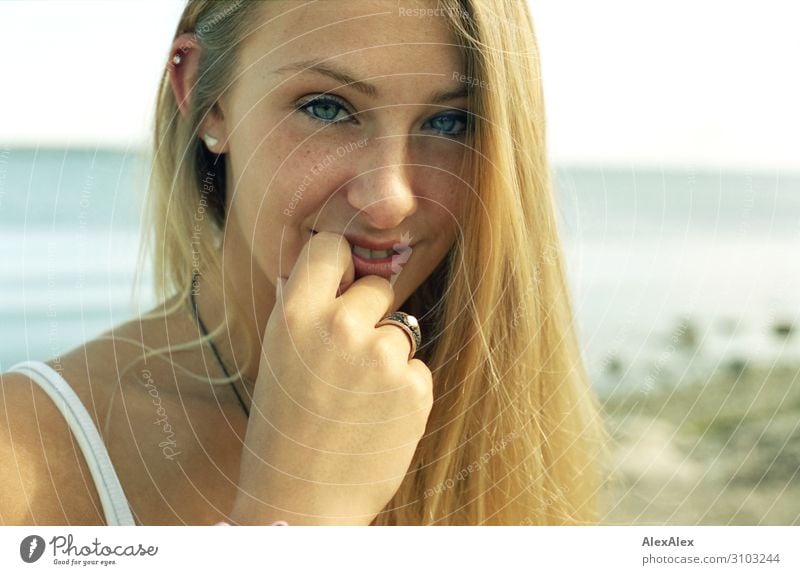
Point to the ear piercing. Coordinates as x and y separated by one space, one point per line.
210 140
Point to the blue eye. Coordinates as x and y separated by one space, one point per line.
324 108
444 124
327 108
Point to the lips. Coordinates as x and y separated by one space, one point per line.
385 259
384 267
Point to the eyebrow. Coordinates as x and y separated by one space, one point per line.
366 88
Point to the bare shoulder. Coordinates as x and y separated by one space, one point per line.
102 369
45 478
158 425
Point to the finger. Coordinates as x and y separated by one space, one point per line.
393 330
323 264
368 299
350 273
424 375
399 338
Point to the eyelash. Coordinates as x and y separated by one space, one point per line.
320 100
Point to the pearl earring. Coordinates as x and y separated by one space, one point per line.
210 140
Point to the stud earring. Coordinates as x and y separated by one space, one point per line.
210 140
176 59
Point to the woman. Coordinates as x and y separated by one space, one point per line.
295 141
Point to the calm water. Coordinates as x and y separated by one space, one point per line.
671 272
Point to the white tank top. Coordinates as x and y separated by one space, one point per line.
112 497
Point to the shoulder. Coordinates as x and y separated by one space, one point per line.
44 475
100 369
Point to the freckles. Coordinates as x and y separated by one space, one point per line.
441 219
449 200
306 181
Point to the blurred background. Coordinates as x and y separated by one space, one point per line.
674 134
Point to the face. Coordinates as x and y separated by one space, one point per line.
380 160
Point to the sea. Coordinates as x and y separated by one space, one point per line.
673 273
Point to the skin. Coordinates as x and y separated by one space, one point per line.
389 169
405 180
397 164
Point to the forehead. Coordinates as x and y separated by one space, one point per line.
374 37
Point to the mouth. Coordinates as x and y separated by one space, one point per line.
369 255
387 263
385 266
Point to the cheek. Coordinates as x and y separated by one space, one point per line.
285 181
302 180
445 201
277 199
455 203
441 180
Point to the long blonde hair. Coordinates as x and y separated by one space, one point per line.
515 435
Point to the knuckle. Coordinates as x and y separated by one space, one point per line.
423 382
422 371
424 393
291 316
385 350
342 322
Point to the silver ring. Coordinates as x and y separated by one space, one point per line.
409 324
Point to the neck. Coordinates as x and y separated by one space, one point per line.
239 342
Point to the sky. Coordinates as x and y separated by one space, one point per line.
660 83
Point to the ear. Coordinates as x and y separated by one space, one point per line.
184 57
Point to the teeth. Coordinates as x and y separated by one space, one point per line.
372 254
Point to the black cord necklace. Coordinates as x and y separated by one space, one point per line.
214 349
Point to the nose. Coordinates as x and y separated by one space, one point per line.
382 192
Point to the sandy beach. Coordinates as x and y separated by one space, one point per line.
716 450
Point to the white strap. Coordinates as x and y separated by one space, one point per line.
112 497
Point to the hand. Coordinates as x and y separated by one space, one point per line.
338 409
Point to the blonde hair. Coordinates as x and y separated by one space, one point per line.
515 435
